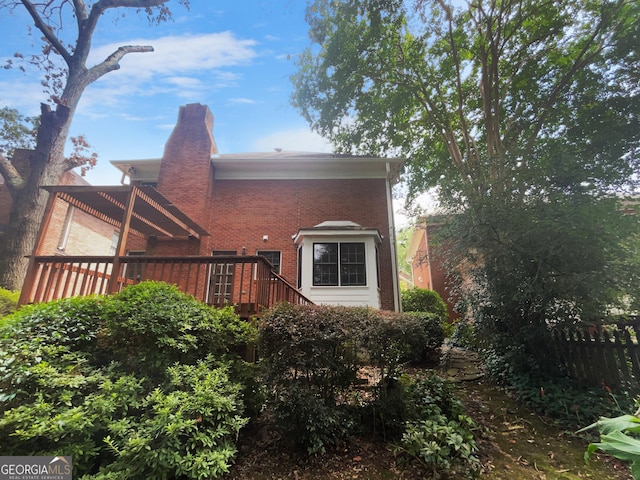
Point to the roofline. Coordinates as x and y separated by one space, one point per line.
331 231
277 165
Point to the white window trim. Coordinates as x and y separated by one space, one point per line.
364 295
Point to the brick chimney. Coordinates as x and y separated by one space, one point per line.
186 174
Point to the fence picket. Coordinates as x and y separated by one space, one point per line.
622 359
609 355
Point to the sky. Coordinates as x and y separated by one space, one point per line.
234 56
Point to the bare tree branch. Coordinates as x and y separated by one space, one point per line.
47 31
103 5
111 63
81 10
12 178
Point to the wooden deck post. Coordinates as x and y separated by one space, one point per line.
122 241
30 278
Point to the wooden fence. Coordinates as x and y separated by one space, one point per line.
606 355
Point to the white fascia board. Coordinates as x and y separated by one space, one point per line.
292 167
332 234
143 170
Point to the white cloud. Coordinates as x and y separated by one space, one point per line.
178 66
185 82
242 101
181 54
295 140
22 95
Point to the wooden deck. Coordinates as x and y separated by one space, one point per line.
246 282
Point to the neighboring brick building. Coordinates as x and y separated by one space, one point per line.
71 231
324 221
427 265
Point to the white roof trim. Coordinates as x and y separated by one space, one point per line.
277 166
337 232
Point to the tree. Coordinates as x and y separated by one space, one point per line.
53 21
16 131
403 237
523 114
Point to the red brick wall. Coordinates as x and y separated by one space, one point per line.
420 267
246 210
238 213
431 272
162 247
186 174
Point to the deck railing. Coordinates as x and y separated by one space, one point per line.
246 282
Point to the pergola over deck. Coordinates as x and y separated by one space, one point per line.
247 282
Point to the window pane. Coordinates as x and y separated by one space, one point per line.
325 264
221 280
352 264
273 257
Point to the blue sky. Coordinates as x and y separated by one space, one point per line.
235 57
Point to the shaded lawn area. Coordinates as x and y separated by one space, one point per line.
514 443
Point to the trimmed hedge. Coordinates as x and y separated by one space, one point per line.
312 354
424 300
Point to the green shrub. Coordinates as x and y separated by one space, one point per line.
135 385
566 401
154 325
619 438
8 302
312 354
433 335
438 435
310 357
424 300
186 431
441 446
393 339
463 335
42 340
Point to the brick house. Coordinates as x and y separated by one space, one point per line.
427 267
323 222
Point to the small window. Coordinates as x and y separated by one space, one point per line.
66 229
273 257
346 258
113 249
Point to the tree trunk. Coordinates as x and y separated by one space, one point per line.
46 166
20 237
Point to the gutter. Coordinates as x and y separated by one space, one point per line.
392 240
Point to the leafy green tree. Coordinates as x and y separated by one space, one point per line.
525 117
65 29
16 130
403 237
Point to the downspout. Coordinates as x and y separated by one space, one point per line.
392 240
